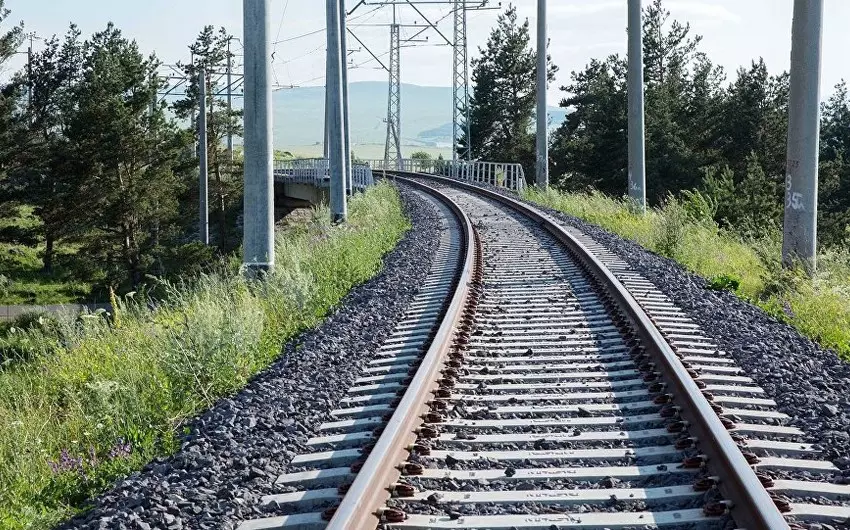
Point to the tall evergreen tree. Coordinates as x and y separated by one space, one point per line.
42 174
128 150
9 41
834 185
683 91
589 148
502 103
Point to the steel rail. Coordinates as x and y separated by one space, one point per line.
752 507
360 508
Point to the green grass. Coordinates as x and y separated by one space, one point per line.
683 230
21 278
98 398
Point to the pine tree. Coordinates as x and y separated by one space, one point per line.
590 147
503 100
9 41
42 174
834 176
128 152
683 91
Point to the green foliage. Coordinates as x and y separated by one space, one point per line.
502 102
669 231
9 40
278 154
112 393
420 155
819 307
726 139
96 164
724 282
29 336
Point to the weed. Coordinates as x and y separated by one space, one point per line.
724 282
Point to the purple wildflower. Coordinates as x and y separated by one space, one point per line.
121 449
66 463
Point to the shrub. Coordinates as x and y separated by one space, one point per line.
724 282
669 229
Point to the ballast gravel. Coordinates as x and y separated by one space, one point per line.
809 383
237 449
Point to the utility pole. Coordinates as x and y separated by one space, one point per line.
203 201
542 78
336 148
229 102
637 161
799 242
346 123
460 84
259 197
392 149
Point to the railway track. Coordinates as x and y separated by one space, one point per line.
537 382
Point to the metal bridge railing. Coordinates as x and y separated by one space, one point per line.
316 172
500 174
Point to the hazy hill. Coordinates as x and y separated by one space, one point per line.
425 120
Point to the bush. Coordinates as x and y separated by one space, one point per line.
724 282
669 229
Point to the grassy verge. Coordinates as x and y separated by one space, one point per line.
98 398
683 230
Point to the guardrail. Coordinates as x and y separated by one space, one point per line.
500 174
316 172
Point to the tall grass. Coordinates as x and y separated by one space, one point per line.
99 397
683 230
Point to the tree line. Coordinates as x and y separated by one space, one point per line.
724 136
106 163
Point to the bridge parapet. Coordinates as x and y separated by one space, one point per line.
500 174
316 172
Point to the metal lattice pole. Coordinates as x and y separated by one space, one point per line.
460 84
392 149
799 240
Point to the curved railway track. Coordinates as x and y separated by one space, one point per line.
537 382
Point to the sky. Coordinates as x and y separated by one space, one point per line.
734 33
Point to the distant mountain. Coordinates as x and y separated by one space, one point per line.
426 117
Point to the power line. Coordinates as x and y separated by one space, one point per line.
322 30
